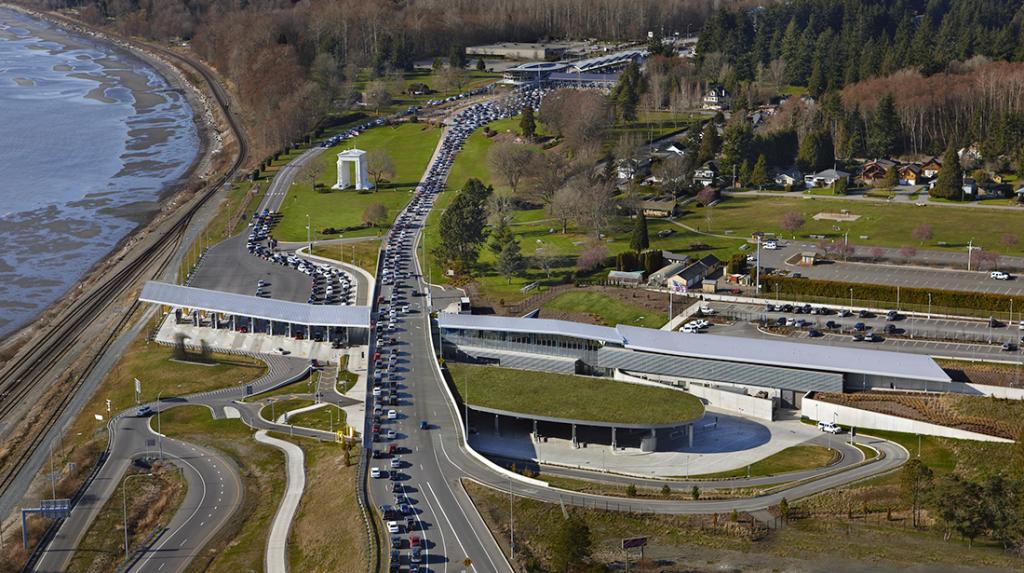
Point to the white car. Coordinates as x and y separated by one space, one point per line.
707 310
770 245
999 275
375 473
390 434
830 427
392 414
393 527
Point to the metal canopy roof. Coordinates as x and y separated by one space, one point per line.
256 307
784 353
535 325
716 347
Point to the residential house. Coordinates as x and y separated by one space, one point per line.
790 177
693 274
706 174
969 154
659 277
633 168
826 178
910 174
717 99
658 208
874 172
930 169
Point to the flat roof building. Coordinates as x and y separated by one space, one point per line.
780 369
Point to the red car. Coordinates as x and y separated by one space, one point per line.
415 541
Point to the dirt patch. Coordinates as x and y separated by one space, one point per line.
844 217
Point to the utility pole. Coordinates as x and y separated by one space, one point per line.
757 269
970 253
159 434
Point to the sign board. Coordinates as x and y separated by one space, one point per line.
55 508
138 386
634 542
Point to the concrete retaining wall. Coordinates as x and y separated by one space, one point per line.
740 403
866 419
750 406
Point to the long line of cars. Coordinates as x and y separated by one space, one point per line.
392 309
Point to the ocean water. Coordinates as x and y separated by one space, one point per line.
90 138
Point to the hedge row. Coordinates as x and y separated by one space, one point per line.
907 296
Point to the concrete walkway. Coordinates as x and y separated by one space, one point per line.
276 558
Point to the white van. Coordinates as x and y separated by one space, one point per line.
830 427
690 328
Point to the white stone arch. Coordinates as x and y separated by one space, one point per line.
358 157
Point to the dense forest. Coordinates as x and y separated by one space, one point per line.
827 44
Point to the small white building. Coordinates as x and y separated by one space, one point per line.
706 174
826 178
789 178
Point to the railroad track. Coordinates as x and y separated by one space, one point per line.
38 364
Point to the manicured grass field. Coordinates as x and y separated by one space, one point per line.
321 419
572 397
791 459
362 254
652 125
886 225
410 146
609 311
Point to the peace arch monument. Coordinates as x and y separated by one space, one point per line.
357 159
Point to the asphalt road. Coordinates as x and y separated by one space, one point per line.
214 486
891 275
228 267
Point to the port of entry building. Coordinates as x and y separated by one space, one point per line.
781 370
253 314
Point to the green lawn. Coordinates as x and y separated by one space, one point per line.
401 101
791 459
652 125
573 397
886 225
609 311
362 254
410 146
321 419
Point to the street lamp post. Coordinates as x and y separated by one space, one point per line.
309 239
124 504
929 306
851 300
159 434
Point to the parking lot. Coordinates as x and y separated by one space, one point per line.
892 275
936 337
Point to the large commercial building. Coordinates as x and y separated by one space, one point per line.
782 371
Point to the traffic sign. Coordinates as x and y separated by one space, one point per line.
634 542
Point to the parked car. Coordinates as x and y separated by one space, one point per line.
999 275
1009 347
830 427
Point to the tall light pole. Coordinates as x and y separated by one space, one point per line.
929 306
309 240
511 523
970 252
124 504
757 269
851 300
159 434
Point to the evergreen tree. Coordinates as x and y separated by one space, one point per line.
625 95
500 235
709 143
737 144
640 240
949 182
884 129
463 227
816 152
527 123
571 544
480 65
853 136
457 56
438 65
510 260
759 174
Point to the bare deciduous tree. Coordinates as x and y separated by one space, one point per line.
379 165
375 215
509 161
376 96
